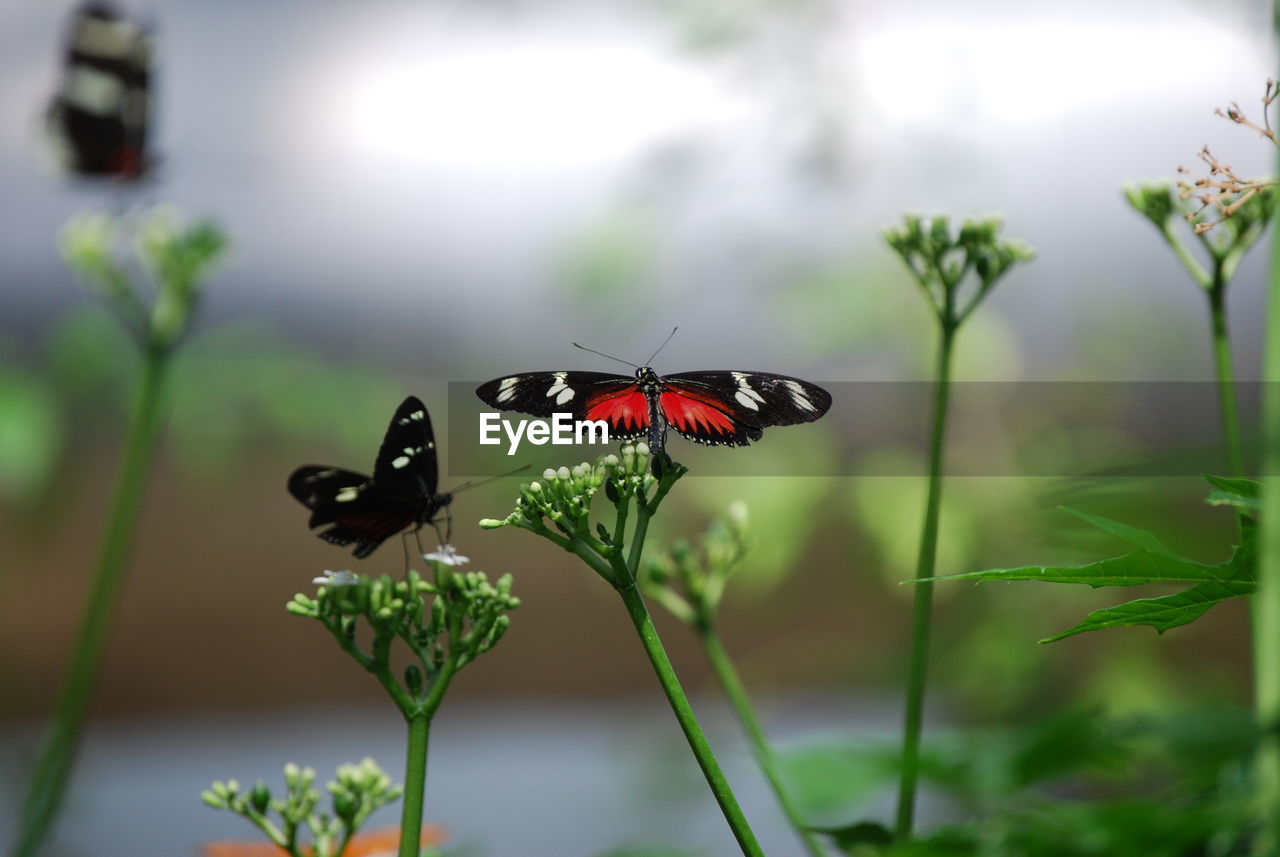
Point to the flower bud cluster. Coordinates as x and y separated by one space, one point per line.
355 792
940 258
446 623
175 258
689 579
563 496
1155 201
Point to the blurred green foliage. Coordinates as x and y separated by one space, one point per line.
1075 784
611 257
31 435
235 390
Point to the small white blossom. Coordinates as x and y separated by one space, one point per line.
446 555
336 578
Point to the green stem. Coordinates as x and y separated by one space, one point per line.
53 769
921 614
1226 373
1266 608
415 784
644 511
728 677
688 721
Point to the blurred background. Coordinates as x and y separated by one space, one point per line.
435 191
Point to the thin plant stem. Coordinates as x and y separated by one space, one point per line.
922 609
52 772
1266 608
415 784
1226 374
727 675
688 721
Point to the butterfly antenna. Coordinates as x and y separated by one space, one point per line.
602 354
662 346
469 484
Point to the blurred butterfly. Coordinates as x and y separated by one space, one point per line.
98 120
401 493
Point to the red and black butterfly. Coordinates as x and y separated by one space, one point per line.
720 408
98 121
368 510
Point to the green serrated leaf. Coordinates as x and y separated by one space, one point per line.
1162 613
1144 539
1243 494
1213 583
1132 569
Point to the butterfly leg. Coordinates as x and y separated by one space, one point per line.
447 537
404 543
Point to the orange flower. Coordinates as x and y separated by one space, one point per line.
376 843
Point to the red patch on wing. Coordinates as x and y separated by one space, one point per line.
694 415
373 526
625 411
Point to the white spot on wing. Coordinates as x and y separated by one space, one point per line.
400 461
562 391
799 396
746 395
416 415
346 495
506 388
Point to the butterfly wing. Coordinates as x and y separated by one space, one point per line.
733 408
351 503
587 395
406 465
98 120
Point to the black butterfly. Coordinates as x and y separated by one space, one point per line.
98 120
401 493
720 408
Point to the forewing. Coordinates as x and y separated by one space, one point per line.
733 407
318 488
542 394
406 465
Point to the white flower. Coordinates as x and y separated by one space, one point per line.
336 578
446 555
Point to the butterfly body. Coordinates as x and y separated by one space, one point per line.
717 408
401 494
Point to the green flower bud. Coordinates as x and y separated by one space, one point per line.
413 679
940 231
260 797
345 806
1154 201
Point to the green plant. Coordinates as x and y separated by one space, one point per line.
558 509
943 264
174 259
355 792
689 580
1073 783
1151 561
1224 247
465 618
